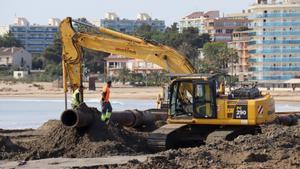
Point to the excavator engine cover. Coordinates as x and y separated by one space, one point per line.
245 93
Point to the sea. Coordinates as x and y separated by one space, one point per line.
32 113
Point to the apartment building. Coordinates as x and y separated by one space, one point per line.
275 44
113 21
114 63
219 28
240 42
197 20
35 38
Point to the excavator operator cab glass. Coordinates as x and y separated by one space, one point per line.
191 99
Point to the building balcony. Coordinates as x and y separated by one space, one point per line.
277 77
269 42
276 15
274 68
277 33
276 24
267 51
270 60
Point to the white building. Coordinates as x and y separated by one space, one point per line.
197 20
16 57
114 63
4 30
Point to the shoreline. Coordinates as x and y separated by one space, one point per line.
151 96
47 90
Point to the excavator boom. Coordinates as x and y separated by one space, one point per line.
115 43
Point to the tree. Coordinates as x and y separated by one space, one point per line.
8 40
52 54
124 75
189 51
37 61
217 57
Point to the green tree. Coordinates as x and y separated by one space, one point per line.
189 51
217 57
37 61
52 54
8 40
123 75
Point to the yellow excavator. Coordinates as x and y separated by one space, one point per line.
197 111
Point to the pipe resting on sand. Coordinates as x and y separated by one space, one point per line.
84 116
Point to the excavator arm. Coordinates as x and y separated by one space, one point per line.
115 43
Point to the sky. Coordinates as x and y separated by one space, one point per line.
39 11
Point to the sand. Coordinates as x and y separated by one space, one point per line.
54 146
46 90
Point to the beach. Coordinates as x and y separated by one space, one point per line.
32 136
48 90
118 91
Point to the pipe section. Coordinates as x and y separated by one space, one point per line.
84 116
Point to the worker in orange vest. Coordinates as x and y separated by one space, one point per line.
106 106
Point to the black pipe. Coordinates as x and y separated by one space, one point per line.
80 117
84 116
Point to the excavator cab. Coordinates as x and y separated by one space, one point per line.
193 97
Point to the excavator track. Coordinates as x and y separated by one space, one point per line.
159 139
229 133
173 136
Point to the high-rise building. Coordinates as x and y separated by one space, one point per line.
275 44
34 38
112 21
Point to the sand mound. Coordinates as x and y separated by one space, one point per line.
8 148
95 141
277 147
